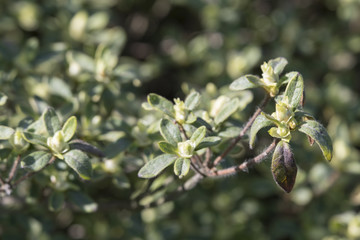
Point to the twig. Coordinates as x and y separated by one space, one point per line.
207 158
30 174
2 182
245 165
243 131
14 168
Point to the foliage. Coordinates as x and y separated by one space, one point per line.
93 147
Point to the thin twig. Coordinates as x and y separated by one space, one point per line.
30 174
245 165
2 182
14 168
243 131
207 158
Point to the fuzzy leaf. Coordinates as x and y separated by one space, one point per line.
245 82
295 90
167 148
318 133
208 142
198 135
6 132
155 166
35 139
170 131
181 167
260 122
51 120
192 100
36 161
69 128
227 110
56 201
283 166
79 162
161 104
82 201
278 64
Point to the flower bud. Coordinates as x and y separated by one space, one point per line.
283 131
18 142
217 105
180 111
283 113
57 143
269 77
186 149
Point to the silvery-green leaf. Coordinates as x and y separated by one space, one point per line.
278 64
82 201
69 128
155 166
35 139
245 82
208 142
181 167
198 135
227 110
3 99
51 120
36 161
161 104
56 201
295 90
79 162
192 100
170 131
6 132
260 122
283 166
318 133
167 148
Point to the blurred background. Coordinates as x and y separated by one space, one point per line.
50 52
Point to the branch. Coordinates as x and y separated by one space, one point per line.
245 165
243 131
30 174
14 168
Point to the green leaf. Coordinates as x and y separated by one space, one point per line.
208 142
170 131
278 64
6 132
155 166
3 99
51 120
198 135
69 128
167 148
245 82
260 122
82 201
56 201
227 110
181 167
79 162
35 139
161 104
36 161
318 133
192 100
295 90
283 166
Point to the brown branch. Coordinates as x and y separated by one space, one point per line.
14 168
243 131
245 165
2 181
30 174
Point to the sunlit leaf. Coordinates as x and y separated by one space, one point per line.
283 166
161 103
260 122
155 166
227 110
198 135
79 162
51 120
167 148
278 64
295 90
6 132
3 99
69 128
208 142
35 138
170 131
245 82
181 167
192 100
318 133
